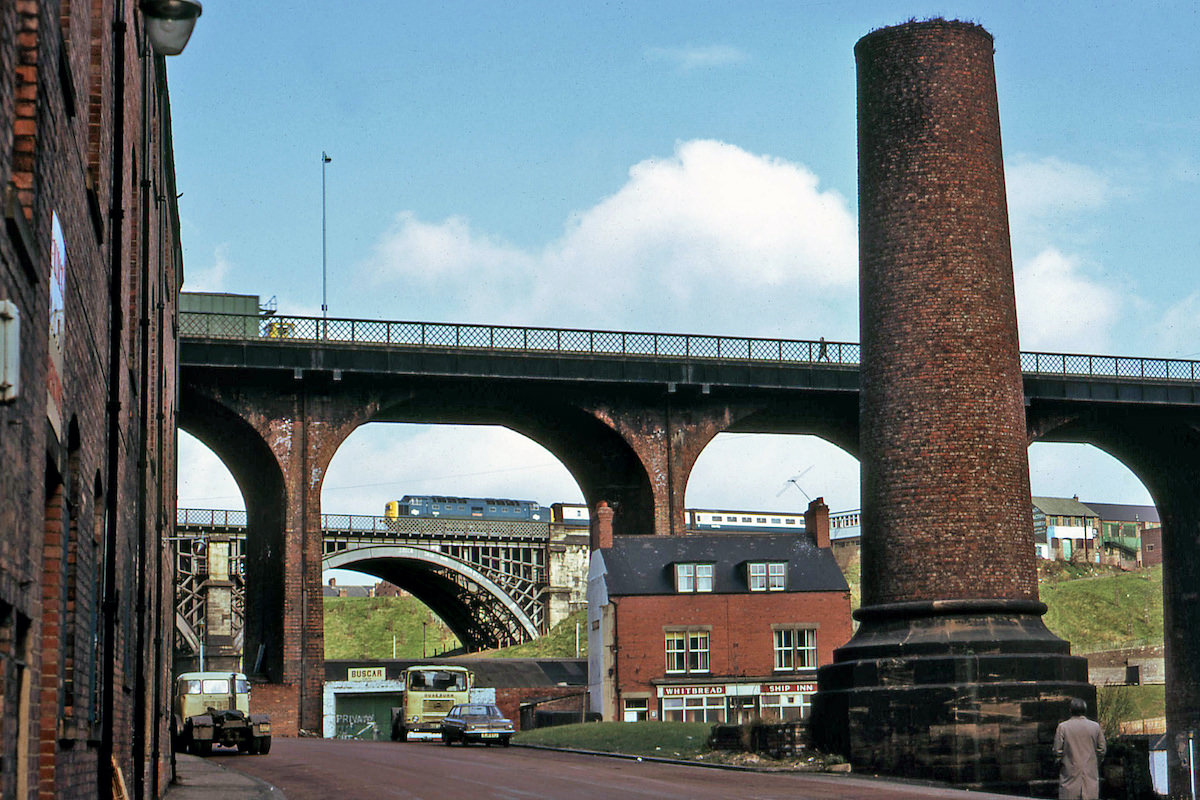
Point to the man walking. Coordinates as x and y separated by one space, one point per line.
1078 747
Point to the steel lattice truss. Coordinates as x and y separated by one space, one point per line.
510 556
191 571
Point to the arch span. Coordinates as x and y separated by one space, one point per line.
437 594
259 477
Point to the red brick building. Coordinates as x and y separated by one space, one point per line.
89 271
720 627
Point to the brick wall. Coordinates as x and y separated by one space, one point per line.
282 702
945 485
741 639
70 463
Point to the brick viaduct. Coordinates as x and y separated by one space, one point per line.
629 428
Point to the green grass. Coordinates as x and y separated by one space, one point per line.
558 643
664 739
1097 608
363 627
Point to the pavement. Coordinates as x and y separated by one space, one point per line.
203 779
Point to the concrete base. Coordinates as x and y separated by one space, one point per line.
968 692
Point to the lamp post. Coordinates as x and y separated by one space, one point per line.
325 159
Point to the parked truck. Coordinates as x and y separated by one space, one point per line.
213 708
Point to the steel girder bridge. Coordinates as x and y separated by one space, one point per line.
485 579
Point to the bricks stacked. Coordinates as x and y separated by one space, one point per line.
945 488
952 675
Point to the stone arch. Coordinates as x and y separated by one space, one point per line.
1162 447
599 458
257 472
421 572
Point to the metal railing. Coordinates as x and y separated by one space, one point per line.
572 341
360 527
569 341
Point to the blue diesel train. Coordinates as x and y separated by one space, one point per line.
576 515
426 506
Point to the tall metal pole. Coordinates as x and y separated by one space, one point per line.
325 159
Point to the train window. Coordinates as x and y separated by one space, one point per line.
761 520
790 521
746 519
774 520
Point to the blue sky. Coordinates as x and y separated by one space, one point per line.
662 166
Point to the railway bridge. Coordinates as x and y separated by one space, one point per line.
493 582
628 414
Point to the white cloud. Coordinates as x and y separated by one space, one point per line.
690 58
1049 189
211 278
1061 309
711 239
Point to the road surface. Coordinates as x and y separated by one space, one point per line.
334 769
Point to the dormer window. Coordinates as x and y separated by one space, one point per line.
767 576
693 577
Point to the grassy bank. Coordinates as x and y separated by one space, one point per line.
364 627
1101 608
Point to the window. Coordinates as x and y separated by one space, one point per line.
693 577
763 576
795 649
687 652
776 576
790 521
637 709
786 707
693 709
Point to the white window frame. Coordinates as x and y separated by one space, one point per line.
776 576
688 652
766 576
636 709
786 707
795 648
693 577
701 708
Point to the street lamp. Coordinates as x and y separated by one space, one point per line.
325 159
169 24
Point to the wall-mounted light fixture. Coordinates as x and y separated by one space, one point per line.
10 351
169 24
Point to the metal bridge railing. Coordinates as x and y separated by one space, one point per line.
365 528
568 341
515 339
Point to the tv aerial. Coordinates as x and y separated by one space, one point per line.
795 481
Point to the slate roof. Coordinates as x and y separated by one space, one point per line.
1118 512
1063 507
642 565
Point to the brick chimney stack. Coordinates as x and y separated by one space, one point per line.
816 522
602 527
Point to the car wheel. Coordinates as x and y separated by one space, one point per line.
504 742
446 740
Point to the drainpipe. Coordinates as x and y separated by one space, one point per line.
143 278
111 596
